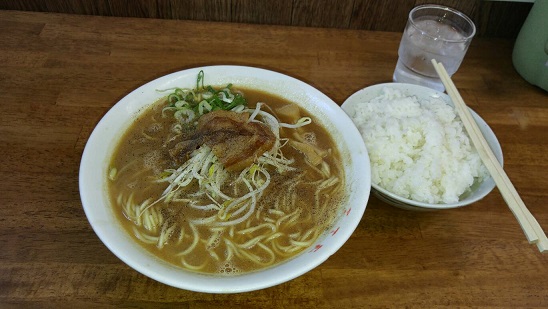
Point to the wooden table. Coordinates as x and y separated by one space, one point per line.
60 73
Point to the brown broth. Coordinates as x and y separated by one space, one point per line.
141 156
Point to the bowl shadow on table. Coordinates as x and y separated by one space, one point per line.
390 231
390 239
384 220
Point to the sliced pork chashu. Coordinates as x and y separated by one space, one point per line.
235 141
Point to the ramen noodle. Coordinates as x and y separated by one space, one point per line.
225 181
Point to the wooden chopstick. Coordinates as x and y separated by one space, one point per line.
534 233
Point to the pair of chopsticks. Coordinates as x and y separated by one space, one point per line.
530 226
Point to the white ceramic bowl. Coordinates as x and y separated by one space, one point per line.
423 93
100 146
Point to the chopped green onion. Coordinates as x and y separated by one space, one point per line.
189 104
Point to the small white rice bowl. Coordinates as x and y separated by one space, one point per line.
421 155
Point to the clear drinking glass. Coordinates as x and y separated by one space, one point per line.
432 32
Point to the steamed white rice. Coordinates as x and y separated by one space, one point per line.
418 149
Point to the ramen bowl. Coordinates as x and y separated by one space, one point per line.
94 171
421 93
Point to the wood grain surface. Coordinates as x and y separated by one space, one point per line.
59 74
492 18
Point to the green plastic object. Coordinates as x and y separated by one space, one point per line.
530 55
